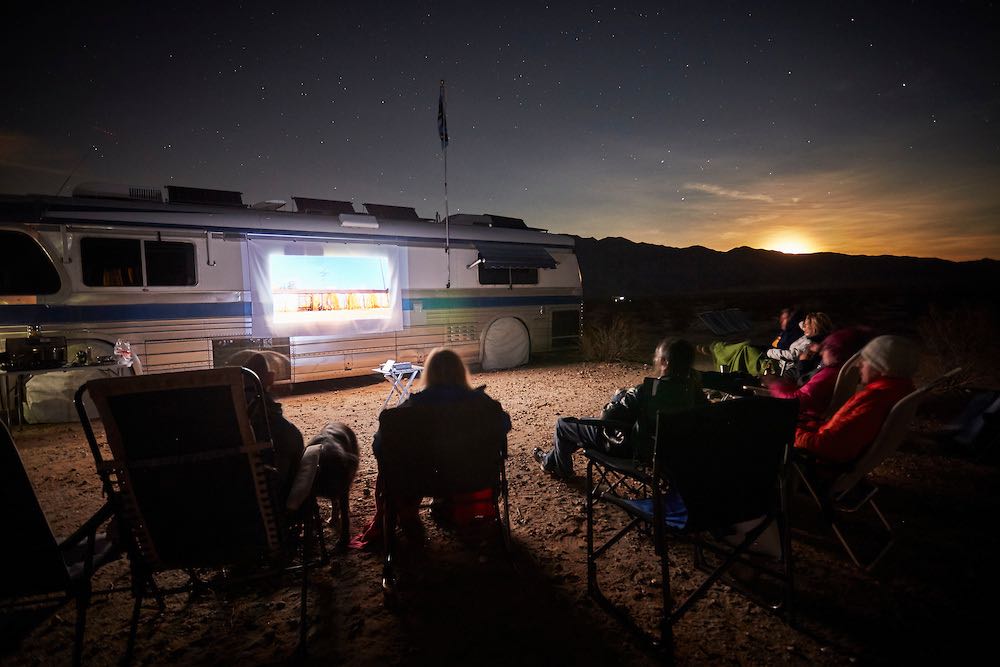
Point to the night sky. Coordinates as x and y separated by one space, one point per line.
867 128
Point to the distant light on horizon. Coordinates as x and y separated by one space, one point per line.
791 245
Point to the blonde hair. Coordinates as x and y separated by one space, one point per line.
445 367
822 322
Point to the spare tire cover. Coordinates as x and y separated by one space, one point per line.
506 344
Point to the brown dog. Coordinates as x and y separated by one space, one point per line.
328 468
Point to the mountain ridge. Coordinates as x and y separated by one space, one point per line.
615 266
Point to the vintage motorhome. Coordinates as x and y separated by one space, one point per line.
192 278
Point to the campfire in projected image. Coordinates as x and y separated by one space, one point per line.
329 288
290 300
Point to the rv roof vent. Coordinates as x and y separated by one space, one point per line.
387 212
182 195
269 205
359 221
322 206
118 191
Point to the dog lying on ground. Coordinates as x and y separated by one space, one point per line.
327 469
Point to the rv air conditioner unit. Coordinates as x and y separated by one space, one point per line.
118 191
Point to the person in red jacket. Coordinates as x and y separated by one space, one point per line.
887 367
815 393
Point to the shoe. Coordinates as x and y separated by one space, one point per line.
540 456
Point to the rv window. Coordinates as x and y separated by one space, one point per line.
169 263
507 276
24 268
111 262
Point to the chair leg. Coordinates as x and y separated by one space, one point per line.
303 611
388 545
82 603
591 559
505 496
133 629
890 540
666 627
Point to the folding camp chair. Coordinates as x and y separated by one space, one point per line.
845 489
441 450
714 468
38 569
189 477
847 383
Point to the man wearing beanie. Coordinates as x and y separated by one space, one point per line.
887 367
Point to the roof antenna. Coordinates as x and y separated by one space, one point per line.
73 172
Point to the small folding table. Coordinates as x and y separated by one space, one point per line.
399 374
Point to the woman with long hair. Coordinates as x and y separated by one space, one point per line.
445 379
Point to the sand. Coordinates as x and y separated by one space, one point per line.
463 603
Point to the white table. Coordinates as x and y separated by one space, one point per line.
13 390
401 377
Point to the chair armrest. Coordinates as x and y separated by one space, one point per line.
603 423
809 460
88 529
623 466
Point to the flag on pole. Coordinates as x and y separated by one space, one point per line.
442 119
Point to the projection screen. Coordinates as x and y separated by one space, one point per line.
313 288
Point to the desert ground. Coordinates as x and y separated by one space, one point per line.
463 603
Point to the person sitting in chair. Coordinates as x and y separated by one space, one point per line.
678 388
445 381
746 357
815 393
887 367
288 442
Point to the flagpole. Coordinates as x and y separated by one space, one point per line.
443 133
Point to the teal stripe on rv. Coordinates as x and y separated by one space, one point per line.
440 303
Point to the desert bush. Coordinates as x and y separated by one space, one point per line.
965 336
613 339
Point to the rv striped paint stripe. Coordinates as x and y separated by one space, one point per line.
53 314
441 303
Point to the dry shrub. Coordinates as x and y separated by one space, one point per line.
965 336
614 339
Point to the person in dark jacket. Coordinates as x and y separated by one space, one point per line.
679 388
446 381
288 442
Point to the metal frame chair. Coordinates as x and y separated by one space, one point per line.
729 463
845 489
38 569
189 480
846 385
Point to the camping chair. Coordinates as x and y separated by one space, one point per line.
847 383
628 452
728 462
36 566
189 478
844 488
441 450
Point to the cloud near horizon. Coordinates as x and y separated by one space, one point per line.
852 210
728 193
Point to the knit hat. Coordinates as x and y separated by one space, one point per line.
892 356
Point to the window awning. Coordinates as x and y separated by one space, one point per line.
512 256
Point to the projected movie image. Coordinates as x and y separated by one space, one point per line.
329 288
